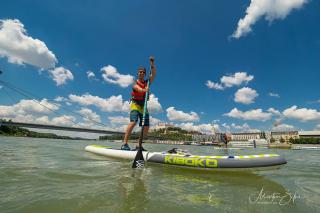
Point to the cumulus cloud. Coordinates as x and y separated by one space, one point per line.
154 121
302 114
154 105
25 107
90 74
89 115
119 119
31 112
59 99
225 125
239 128
111 75
276 95
243 128
65 120
20 48
212 85
274 111
270 9
254 114
245 95
203 128
236 79
111 104
176 115
61 75
283 127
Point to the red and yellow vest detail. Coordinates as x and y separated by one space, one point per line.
139 96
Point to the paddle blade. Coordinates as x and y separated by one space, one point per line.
138 160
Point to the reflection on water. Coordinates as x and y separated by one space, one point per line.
39 175
133 192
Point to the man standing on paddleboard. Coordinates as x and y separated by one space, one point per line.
138 96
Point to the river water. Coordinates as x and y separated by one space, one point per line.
46 175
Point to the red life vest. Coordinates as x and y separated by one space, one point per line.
139 96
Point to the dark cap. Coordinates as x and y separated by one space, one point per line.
142 68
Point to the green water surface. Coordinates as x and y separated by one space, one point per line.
45 175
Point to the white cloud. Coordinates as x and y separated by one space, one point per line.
61 75
203 128
65 120
30 112
212 85
274 111
236 79
111 75
241 127
302 114
276 95
176 115
89 115
225 125
119 119
20 48
26 107
153 104
270 9
283 127
245 95
254 114
59 99
317 127
244 128
154 121
112 104
90 74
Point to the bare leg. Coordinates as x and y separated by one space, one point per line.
128 131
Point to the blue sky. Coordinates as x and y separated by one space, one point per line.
242 65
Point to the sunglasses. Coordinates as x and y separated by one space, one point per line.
144 72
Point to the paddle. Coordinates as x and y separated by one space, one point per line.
138 161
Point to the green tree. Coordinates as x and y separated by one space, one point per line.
272 140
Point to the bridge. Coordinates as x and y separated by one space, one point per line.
65 128
74 129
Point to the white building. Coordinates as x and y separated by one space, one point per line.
309 134
286 135
247 136
162 126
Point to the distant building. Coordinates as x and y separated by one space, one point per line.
162 126
309 134
247 136
286 135
203 138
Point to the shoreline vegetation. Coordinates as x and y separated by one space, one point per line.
171 134
22 132
168 134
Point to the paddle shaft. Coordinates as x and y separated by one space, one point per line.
144 114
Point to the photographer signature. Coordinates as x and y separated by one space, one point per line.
274 198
